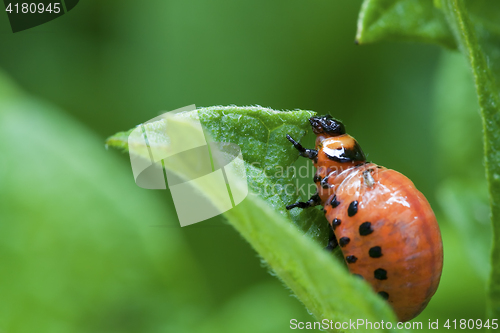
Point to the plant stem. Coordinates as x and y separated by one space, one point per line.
487 91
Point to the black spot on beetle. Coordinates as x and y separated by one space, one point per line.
343 241
375 252
353 208
334 203
380 274
365 229
316 178
383 294
351 259
335 223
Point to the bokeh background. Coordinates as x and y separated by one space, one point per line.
82 249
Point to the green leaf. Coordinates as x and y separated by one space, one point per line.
320 282
261 135
403 20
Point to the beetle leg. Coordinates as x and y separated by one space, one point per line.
311 154
332 242
313 201
324 182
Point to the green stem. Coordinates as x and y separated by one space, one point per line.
489 101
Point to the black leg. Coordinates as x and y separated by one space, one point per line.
309 153
314 201
324 182
332 241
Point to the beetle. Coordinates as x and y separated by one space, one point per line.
384 226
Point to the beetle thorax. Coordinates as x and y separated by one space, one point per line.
337 154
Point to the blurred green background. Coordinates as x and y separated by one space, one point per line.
84 250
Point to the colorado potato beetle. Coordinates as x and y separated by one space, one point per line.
384 226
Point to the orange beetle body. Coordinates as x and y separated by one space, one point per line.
385 227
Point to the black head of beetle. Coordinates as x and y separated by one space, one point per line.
326 125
